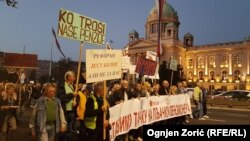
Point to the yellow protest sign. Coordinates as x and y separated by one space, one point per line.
103 65
82 28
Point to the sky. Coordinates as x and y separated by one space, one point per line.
29 26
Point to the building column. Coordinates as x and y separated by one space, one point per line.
248 67
180 59
206 71
230 64
195 65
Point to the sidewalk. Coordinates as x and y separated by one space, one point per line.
23 130
225 108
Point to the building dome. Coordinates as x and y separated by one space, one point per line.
134 32
133 36
170 23
188 39
188 35
168 12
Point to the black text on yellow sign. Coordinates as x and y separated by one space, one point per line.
82 28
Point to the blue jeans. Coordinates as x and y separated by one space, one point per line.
48 135
199 109
70 117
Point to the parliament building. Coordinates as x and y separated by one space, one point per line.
219 66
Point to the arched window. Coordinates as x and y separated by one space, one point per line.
201 75
211 75
154 28
169 32
237 60
190 62
223 75
201 62
224 60
131 39
163 27
237 75
211 62
190 75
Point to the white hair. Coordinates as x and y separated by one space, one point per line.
67 74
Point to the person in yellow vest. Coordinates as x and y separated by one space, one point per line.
66 93
80 105
198 101
94 123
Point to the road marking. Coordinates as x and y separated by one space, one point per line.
217 120
239 115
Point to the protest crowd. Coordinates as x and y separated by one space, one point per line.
66 112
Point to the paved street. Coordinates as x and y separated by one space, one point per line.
224 116
218 116
23 132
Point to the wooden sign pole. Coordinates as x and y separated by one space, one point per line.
105 105
78 72
79 66
171 77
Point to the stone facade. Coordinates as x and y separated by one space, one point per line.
219 66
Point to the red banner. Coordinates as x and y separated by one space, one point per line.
145 67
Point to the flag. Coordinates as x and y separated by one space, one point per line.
108 46
159 7
57 43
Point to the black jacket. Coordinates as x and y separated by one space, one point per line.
119 95
90 112
61 94
7 112
162 91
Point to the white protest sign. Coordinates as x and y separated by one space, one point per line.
173 64
82 28
132 69
103 65
125 62
146 111
150 55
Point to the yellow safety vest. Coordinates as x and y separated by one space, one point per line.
82 106
90 122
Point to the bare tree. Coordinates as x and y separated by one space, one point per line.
11 3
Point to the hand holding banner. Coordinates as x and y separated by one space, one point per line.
146 111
